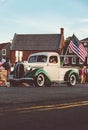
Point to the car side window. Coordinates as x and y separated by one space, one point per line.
53 59
42 58
32 59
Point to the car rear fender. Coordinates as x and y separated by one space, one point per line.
68 74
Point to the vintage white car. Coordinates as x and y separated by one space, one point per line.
43 69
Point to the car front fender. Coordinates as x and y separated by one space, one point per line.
38 71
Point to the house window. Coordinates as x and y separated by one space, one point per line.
86 48
66 61
73 60
85 44
3 51
19 55
70 51
87 61
80 61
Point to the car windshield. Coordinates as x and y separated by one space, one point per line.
37 58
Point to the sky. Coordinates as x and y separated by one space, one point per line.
43 17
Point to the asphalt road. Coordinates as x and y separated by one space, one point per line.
55 94
75 118
47 108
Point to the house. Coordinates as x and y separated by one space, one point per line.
5 50
68 58
25 44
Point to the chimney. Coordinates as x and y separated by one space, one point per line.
62 34
62 31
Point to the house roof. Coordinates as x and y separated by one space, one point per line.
36 42
84 40
3 45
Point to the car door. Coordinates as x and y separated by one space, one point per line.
52 68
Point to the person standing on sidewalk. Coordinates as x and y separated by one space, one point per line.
1 65
3 60
7 65
87 74
82 73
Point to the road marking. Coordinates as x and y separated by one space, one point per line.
47 107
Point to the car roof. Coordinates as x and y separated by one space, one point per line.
45 53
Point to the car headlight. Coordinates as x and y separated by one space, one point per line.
28 68
12 69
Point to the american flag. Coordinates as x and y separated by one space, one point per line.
78 48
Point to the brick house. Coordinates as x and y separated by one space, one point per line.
5 50
25 44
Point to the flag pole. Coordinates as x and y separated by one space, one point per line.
65 55
66 51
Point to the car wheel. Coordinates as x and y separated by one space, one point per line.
72 80
40 80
